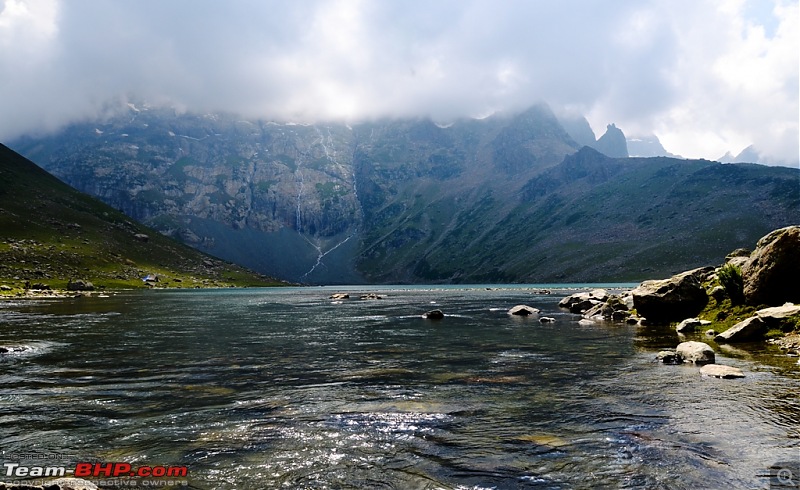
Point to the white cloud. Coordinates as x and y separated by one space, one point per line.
707 77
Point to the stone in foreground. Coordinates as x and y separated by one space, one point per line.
695 352
720 371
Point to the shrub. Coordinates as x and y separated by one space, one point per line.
730 277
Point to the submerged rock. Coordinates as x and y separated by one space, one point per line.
720 371
523 310
668 357
695 352
434 315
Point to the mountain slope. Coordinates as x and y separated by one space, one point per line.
506 198
52 233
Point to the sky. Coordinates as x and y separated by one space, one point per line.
706 77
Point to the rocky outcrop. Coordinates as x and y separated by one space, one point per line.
612 143
681 296
770 274
523 310
748 330
720 371
695 352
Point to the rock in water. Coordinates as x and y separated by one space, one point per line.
434 315
695 352
668 357
720 371
770 275
339 296
523 310
747 330
681 296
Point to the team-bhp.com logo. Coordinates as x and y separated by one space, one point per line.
96 470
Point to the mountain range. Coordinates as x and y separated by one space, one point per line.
507 198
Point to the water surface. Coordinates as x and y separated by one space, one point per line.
285 388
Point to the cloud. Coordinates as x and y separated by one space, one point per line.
706 77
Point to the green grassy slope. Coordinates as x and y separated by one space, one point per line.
51 233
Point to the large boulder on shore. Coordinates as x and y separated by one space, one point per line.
80 285
695 352
681 296
770 274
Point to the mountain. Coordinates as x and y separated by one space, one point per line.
647 146
748 155
52 234
612 143
508 198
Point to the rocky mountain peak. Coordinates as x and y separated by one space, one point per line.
613 143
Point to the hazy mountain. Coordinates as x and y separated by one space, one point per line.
647 146
410 201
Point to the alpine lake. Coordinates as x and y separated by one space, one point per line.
287 388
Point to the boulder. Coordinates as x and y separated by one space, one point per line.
80 285
748 330
770 274
720 371
547 319
523 310
5 287
681 296
688 325
339 296
141 237
778 315
371 296
711 332
580 302
695 352
434 315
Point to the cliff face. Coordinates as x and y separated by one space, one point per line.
505 198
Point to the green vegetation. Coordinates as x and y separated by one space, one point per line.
52 234
730 277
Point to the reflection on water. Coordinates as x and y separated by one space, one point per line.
286 389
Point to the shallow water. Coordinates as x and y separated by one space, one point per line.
284 388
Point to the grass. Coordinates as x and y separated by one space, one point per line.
51 234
